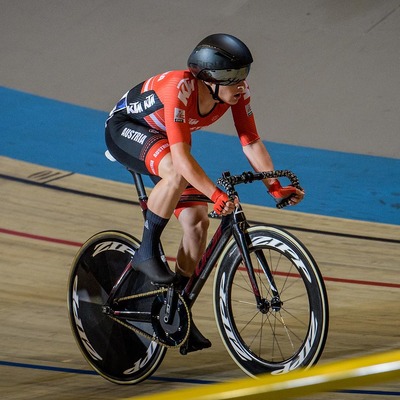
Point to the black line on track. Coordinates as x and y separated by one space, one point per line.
91 372
47 176
174 380
68 190
136 203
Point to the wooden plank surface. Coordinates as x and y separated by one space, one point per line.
45 215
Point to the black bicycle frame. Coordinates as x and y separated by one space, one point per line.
234 225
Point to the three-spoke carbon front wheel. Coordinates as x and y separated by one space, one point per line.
284 332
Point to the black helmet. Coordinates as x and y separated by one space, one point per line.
220 58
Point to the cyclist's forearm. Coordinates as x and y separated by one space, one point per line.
259 158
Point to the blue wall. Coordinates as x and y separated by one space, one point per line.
69 137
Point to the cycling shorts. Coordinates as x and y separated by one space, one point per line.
135 146
141 149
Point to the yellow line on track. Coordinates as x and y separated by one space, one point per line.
363 371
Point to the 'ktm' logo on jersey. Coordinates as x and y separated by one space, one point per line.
186 87
139 106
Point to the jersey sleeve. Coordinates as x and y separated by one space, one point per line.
177 92
244 120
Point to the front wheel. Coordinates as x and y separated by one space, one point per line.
276 337
116 351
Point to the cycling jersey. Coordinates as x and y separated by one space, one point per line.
168 102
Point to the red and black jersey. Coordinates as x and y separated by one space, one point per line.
169 102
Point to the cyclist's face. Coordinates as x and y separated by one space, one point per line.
231 94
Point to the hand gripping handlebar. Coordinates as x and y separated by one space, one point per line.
229 181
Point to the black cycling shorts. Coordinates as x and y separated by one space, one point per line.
141 149
135 146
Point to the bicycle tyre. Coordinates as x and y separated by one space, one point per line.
277 341
117 353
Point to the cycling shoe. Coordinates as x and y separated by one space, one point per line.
155 270
196 341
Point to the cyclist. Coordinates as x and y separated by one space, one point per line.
149 131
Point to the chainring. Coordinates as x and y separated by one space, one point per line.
176 331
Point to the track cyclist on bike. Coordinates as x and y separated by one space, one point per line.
149 131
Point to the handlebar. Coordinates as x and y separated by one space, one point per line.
229 181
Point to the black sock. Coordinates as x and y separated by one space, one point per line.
153 228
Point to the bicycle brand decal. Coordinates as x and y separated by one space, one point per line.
142 361
261 240
239 349
299 360
78 323
111 245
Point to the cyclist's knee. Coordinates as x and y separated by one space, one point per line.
195 221
169 174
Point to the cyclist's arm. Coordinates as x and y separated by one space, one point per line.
259 158
187 166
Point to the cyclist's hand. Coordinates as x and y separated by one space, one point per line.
279 192
222 204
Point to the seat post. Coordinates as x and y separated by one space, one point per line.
140 189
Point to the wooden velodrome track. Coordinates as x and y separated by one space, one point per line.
46 214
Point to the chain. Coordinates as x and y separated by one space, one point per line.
138 331
137 296
142 333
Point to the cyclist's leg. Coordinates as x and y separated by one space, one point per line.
166 193
147 151
161 204
193 218
195 222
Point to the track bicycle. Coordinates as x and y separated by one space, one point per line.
270 301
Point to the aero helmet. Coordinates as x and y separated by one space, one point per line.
221 59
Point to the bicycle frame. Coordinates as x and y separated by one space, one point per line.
234 225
